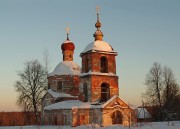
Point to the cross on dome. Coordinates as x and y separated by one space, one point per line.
67 32
97 9
98 24
98 34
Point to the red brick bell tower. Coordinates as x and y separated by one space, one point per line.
99 81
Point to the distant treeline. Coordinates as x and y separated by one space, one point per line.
17 118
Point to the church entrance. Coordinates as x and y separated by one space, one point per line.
116 117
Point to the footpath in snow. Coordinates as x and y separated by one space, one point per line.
151 125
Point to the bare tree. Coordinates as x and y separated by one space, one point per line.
162 92
170 93
31 86
153 82
153 93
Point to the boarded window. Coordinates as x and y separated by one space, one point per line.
48 85
104 65
63 57
85 92
86 65
65 121
105 92
55 120
59 86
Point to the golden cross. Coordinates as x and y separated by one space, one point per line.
67 30
97 9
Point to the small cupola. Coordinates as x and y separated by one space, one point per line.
67 48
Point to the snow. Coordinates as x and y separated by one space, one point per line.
67 41
66 68
150 125
68 104
99 46
58 95
73 104
110 100
97 73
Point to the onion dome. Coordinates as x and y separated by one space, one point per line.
67 45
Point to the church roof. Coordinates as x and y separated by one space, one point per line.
68 104
66 68
71 104
59 95
100 46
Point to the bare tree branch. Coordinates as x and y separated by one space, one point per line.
31 86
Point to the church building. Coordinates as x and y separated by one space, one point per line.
87 95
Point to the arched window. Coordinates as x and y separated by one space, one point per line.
105 92
86 65
104 65
116 117
59 86
55 120
48 85
85 92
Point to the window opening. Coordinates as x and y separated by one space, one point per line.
86 65
105 92
85 92
48 85
65 122
59 86
104 65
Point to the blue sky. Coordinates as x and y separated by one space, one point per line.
141 31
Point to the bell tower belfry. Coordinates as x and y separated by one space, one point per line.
99 81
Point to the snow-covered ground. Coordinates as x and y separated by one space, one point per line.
152 125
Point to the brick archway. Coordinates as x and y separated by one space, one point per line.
116 117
